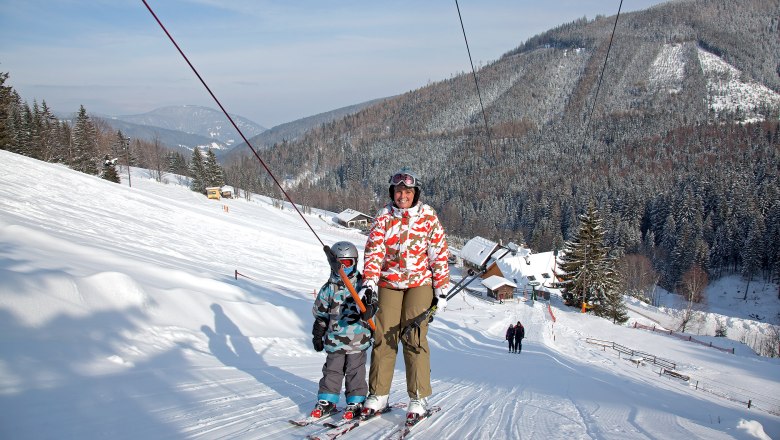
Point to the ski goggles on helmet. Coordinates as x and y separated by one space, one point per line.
347 262
404 179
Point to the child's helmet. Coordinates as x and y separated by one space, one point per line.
347 254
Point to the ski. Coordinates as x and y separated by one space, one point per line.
338 429
401 432
309 420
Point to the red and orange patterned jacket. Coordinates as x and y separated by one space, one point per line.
406 248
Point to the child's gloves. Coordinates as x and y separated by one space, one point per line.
318 332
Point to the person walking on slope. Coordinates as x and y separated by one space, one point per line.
342 331
406 260
519 335
510 336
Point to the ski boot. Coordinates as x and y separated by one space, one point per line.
323 408
353 410
373 404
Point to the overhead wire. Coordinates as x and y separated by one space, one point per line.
332 261
476 83
601 76
249 144
479 94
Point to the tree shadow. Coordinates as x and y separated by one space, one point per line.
48 392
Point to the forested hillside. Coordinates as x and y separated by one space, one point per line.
679 150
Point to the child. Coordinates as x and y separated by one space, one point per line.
342 331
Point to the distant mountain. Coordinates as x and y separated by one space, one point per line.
176 140
196 120
670 127
291 131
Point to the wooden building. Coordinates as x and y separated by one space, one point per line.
354 219
499 287
214 192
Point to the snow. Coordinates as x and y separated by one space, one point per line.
122 317
726 88
667 70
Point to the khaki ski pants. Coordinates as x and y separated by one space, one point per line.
396 310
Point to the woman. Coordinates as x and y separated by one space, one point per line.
406 259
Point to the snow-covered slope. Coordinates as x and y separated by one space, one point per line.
121 317
726 88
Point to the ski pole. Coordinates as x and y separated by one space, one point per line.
336 266
432 309
510 248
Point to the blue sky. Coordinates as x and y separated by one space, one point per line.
271 61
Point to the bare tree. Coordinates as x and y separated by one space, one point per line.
693 283
638 277
158 160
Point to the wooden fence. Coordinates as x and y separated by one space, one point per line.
749 398
634 354
683 337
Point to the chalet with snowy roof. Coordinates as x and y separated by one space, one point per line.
532 273
227 191
499 288
476 253
354 219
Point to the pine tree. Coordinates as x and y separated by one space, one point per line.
120 148
614 307
197 172
84 144
6 102
587 271
214 176
109 170
752 251
177 164
50 142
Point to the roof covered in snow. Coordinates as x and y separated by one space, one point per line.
494 282
477 251
526 267
349 215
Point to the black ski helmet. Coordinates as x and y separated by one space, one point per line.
346 250
408 179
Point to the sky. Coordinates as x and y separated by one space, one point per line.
272 61
122 316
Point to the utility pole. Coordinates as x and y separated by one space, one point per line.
127 160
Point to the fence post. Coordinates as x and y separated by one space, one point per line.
749 403
236 273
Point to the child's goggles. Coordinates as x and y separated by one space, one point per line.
347 262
